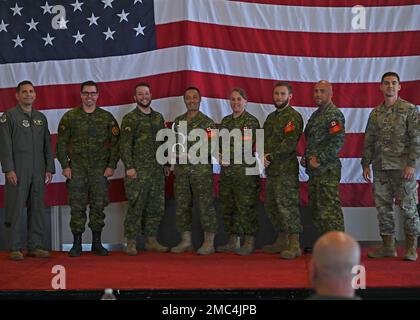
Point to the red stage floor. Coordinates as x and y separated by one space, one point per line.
188 271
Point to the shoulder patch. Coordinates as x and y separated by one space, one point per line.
209 132
3 118
289 128
403 108
335 127
247 133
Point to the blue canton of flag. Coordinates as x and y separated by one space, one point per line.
71 29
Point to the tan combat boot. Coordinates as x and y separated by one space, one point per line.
185 244
294 248
39 253
248 246
410 248
233 244
279 245
208 244
16 255
131 248
153 245
386 250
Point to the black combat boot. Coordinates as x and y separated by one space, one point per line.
97 247
76 250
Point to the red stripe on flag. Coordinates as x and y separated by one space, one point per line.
351 194
346 95
353 146
54 142
56 193
288 43
258 90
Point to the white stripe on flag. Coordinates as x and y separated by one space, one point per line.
287 18
252 65
350 173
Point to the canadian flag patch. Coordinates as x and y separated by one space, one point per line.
246 134
209 132
289 128
335 127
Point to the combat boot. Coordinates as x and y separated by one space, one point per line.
279 245
131 249
185 244
233 244
410 248
76 250
248 246
153 245
294 248
208 244
38 253
97 247
386 250
16 256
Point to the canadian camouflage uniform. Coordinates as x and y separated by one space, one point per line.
239 192
282 131
392 142
195 181
88 143
146 193
324 134
26 150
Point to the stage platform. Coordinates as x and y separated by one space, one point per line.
190 276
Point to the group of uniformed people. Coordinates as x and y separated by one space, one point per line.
90 143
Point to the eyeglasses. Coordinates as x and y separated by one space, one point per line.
92 94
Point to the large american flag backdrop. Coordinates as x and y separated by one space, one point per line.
215 45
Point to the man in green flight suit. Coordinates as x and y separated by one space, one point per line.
324 134
282 131
28 163
88 151
194 180
144 178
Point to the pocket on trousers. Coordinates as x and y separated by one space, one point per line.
409 191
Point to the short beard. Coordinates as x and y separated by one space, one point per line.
282 105
141 105
194 108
